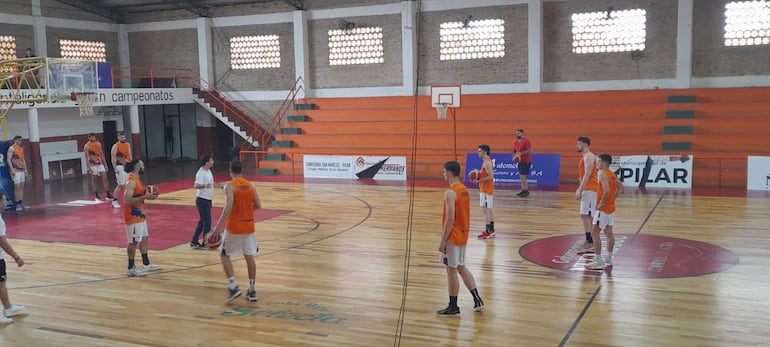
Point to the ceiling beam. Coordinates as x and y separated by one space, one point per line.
189 5
95 8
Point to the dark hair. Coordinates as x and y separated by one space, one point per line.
91 134
129 167
585 140
522 130
236 167
605 158
16 137
205 159
484 148
121 133
453 167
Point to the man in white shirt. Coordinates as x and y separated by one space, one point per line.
204 193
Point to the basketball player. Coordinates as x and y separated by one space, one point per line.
454 237
121 154
586 191
204 193
95 161
522 148
133 212
18 171
241 199
609 189
486 183
9 309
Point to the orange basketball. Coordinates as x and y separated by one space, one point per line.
517 158
473 175
153 190
213 239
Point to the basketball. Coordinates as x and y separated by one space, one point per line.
473 175
213 239
153 190
517 158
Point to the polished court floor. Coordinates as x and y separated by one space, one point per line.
351 264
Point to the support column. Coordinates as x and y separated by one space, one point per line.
301 51
38 29
205 52
124 58
535 45
684 44
35 166
136 144
409 46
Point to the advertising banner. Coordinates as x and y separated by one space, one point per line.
380 168
758 173
545 168
327 166
354 167
654 171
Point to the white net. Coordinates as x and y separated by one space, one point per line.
86 104
441 110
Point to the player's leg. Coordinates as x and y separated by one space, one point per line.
587 213
250 249
453 282
600 222
106 185
95 182
231 246
610 238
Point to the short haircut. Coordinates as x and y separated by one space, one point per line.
91 134
16 137
585 140
484 148
453 167
236 167
521 130
205 159
129 167
605 158
121 133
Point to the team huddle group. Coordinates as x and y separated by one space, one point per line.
235 227
597 191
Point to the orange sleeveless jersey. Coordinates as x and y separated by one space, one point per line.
593 183
609 204
487 187
122 153
17 159
134 213
459 234
241 219
94 153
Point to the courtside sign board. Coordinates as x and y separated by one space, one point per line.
354 167
654 171
758 173
545 168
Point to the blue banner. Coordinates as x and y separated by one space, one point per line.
6 183
545 168
104 71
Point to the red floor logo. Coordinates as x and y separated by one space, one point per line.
639 256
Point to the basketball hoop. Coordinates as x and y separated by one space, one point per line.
441 110
85 103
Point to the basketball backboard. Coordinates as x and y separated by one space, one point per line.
67 76
446 95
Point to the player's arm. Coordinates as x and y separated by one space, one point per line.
449 203
8 157
85 154
229 194
257 202
200 181
114 155
605 183
527 148
8 249
618 187
490 170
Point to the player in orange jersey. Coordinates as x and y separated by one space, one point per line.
237 222
120 154
133 214
486 183
8 308
454 237
17 167
586 191
96 166
609 188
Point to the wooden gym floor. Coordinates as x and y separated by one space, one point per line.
690 271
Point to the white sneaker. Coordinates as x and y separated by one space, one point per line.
134 272
150 267
5 320
587 249
115 204
596 265
14 310
608 261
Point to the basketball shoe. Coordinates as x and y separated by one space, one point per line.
587 249
597 264
14 310
478 306
487 234
5 320
233 293
251 295
115 204
134 272
150 267
449 311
